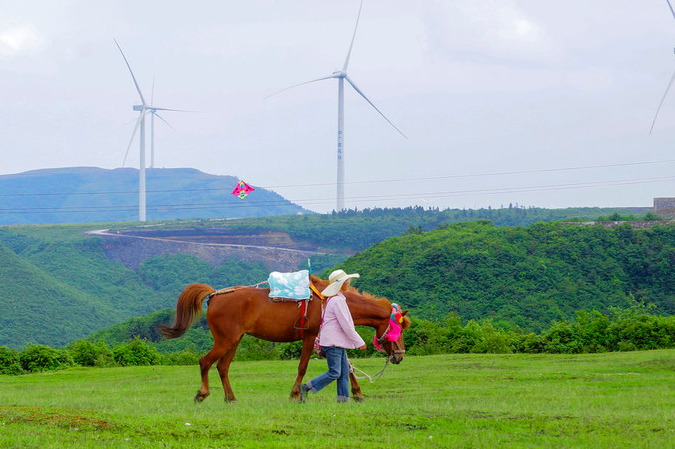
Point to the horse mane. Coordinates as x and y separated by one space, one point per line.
383 302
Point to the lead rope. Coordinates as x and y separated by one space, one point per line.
371 379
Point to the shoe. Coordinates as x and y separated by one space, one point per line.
303 393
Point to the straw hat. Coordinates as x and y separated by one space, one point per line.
336 279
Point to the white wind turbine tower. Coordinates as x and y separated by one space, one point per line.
672 78
341 75
143 108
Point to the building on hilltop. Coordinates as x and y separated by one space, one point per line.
664 207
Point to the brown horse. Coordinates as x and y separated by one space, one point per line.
247 310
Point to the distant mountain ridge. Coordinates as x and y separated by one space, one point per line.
91 194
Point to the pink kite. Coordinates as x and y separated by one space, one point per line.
242 189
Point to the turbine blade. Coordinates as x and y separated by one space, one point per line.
672 78
671 8
301 84
344 68
152 108
162 119
133 134
128 123
132 73
371 103
152 93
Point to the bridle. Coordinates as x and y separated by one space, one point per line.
381 340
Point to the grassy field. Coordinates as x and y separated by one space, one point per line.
599 401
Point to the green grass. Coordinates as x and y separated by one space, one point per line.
513 401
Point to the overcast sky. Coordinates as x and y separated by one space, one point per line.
529 102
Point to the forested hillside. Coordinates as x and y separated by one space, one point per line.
37 307
55 292
524 276
58 285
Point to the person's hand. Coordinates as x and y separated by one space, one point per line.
362 347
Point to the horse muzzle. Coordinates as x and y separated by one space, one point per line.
396 357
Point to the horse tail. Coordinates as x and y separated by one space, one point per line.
188 308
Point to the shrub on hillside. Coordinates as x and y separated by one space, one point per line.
136 352
88 353
290 351
642 332
425 337
9 361
493 340
562 338
528 343
592 331
38 358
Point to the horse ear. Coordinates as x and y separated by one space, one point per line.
406 320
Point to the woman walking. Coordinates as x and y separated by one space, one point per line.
337 334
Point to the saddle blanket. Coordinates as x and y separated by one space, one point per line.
289 285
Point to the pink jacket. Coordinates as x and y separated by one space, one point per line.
338 325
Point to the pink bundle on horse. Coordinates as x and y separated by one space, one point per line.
236 311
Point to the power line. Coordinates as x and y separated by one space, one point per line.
477 175
377 181
360 199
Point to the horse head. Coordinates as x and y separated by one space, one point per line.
390 333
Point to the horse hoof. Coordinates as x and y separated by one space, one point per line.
199 397
359 398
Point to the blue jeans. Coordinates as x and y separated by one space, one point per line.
338 369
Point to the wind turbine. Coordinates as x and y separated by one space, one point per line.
143 109
341 76
672 78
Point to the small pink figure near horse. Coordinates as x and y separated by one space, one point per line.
248 310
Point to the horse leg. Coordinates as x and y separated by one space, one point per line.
357 395
307 348
223 369
205 364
